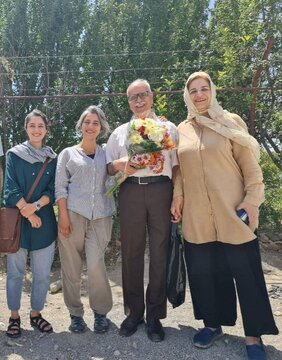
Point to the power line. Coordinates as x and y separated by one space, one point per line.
172 52
101 55
111 71
119 94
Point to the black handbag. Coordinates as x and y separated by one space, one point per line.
10 221
176 269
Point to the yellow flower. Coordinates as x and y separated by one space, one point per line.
135 139
148 129
137 123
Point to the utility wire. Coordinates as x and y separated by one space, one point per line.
103 55
111 71
118 94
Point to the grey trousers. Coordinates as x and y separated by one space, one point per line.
93 237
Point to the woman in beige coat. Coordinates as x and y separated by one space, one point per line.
220 175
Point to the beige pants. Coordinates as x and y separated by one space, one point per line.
93 236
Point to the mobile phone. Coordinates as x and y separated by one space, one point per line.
243 216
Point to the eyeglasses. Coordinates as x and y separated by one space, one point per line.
142 95
203 90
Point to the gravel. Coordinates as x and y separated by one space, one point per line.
179 325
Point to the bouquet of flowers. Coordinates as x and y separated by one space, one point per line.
146 138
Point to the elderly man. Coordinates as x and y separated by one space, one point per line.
144 206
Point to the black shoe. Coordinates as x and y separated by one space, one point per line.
77 324
155 331
129 326
101 323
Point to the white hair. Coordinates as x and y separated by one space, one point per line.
137 81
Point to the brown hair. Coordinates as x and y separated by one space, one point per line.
35 112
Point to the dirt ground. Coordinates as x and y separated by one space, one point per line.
179 325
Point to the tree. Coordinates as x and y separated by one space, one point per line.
237 43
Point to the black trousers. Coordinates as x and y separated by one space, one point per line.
144 209
215 271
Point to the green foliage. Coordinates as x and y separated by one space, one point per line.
64 47
271 210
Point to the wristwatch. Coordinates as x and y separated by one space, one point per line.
37 205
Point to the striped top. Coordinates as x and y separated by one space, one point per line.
82 181
1 148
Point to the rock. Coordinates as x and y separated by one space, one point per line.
263 245
266 268
275 292
263 238
12 343
275 237
117 353
272 246
55 287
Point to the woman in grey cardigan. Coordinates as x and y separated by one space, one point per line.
85 220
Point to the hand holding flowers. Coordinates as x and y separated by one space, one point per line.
146 138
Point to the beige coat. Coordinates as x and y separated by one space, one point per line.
216 176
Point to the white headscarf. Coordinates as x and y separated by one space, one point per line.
220 120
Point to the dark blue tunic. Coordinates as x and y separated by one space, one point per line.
19 177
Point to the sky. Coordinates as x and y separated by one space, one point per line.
212 3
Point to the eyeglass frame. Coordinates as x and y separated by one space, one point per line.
142 95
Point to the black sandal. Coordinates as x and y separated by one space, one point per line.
14 328
40 323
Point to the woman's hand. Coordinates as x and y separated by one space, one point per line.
65 226
176 209
27 210
251 210
35 221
